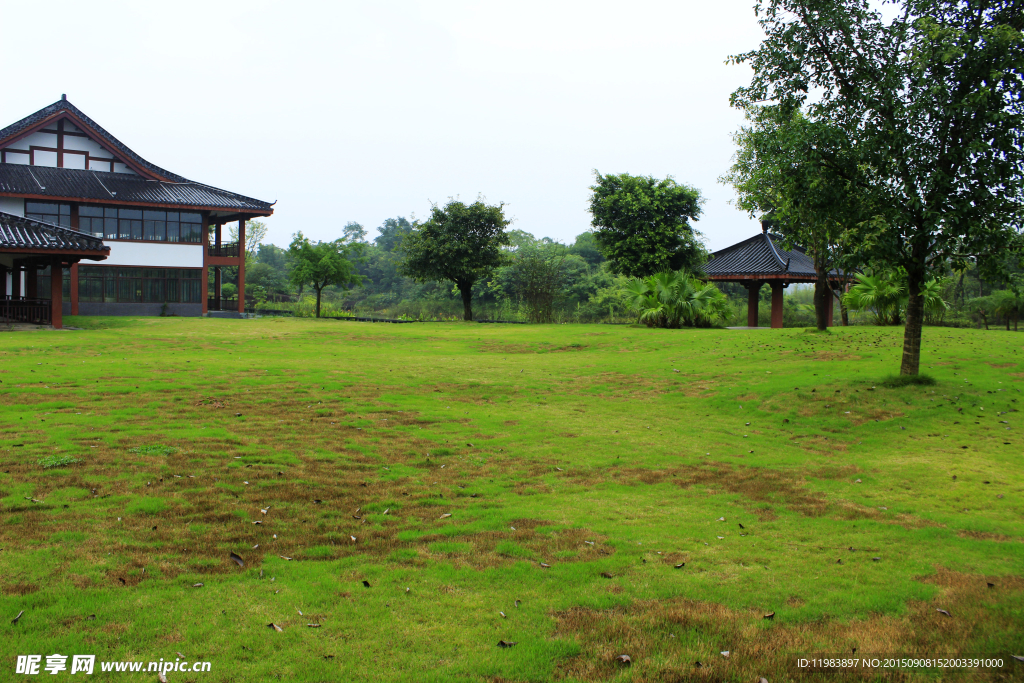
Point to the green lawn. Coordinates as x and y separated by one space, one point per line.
463 458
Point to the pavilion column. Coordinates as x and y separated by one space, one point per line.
74 288
829 309
241 265
753 292
56 292
31 281
776 305
216 286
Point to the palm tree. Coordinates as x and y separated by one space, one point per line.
675 299
882 293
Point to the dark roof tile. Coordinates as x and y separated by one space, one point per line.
101 186
762 254
17 232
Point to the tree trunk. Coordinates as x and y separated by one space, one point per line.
466 289
821 294
318 302
915 318
843 313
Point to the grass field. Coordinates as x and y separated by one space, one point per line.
556 474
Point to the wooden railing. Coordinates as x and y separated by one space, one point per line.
230 250
222 305
22 310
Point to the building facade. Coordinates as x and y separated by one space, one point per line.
165 233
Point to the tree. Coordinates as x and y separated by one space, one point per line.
323 264
392 232
934 101
779 174
255 233
642 224
460 243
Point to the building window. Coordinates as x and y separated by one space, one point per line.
49 212
110 284
140 224
43 284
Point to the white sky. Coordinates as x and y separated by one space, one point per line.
361 111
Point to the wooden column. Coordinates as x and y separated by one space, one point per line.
216 286
776 305
753 291
241 265
74 288
831 305
56 292
31 281
205 280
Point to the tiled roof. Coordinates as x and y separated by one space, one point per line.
17 232
70 183
63 105
762 254
67 183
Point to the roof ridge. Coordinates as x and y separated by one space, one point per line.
775 253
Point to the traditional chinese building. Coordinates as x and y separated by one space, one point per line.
762 260
156 238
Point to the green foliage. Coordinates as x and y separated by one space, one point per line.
932 102
52 461
460 243
642 224
675 299
323 263
885 294
391 233
153 449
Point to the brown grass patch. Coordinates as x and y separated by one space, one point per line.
984 536
666 639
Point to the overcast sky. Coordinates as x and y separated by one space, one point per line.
346 111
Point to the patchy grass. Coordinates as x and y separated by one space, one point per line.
556 474
919 380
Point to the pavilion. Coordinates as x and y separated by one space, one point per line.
28 245
759 260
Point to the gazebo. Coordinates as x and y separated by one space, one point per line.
759 260
26 247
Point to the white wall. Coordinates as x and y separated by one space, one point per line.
155 255
12 205
71 142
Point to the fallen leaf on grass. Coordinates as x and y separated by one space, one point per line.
770 615
505 643
15 619
275 627
624 659
366 584
237 559
942 611
197 585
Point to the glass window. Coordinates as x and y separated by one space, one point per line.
90 211
172 232
151 285
130 213
49 212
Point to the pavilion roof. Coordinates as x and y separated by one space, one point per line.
760 256
153 185
25 234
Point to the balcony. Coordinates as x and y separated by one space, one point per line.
229 250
